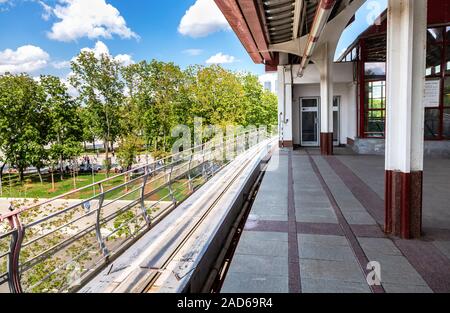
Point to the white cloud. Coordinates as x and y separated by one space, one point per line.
221 58
124 59
48 10
99 49
201 19
61 65
25 59
71 90
102 49
193 52
87 18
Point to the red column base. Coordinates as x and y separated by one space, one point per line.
404 204
326 143
286 144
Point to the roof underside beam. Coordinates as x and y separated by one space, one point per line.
254 21
234 16
298 17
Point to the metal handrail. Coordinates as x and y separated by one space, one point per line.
58 235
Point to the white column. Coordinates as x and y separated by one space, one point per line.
326 91
324 64
406 56
285 105
407 20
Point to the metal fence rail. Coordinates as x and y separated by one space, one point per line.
58 244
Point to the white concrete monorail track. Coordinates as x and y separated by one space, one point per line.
178 254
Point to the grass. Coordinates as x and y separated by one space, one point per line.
32 187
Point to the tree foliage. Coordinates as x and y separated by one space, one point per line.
42 125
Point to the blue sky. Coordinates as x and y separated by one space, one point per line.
42 36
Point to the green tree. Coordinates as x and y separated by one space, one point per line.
217 96
23 121
98 81
154 90
261 106
128 151
66 129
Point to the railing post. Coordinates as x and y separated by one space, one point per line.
172 195
14 283
190 184
98 231
205 175
147 217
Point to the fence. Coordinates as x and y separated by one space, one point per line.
58 244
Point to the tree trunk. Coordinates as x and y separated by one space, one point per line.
21 176
1 178
93 145
53 179
74 174
40 175
85 146
61 167
107 159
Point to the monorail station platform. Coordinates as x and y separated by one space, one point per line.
317 223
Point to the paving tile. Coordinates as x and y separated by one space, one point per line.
263 216
319 204
397 270
255 283
256 264
395 288
333 286
345 271
264 236
444 247
323 240
359 218
378 246
316 217
325 252
255 246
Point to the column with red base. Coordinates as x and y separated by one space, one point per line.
406 55
325 66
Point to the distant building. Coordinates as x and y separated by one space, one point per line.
270 82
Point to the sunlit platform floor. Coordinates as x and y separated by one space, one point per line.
317 222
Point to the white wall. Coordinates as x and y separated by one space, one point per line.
309 86
348 109
271 78
342 73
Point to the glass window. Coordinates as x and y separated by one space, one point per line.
434 60
376 97
432 123
446 128
375 69
435 35
375 109
447 59
375 125
447 92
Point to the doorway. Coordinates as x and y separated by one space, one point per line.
336 120
309 120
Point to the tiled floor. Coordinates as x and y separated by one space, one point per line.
339 209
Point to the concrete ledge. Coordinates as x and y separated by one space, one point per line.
189 248
433 149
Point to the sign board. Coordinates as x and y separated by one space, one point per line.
432 94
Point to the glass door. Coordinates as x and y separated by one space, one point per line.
309 118
336 120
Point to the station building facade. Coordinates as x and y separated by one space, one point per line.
388 94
